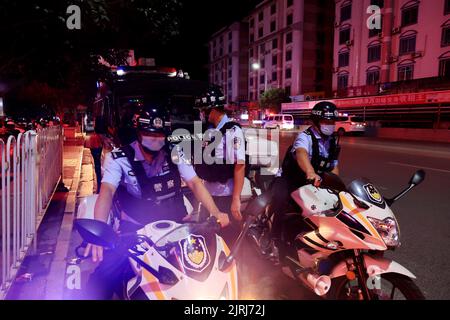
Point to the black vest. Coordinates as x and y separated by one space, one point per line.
295 175
217 172
161 197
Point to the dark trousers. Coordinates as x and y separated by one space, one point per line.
97 156
112 273
231 232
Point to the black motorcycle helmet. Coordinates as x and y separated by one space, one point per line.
153 119
324 110
212 98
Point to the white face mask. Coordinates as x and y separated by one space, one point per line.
327 129
153 143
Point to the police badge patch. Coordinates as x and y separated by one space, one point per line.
373 193
194 253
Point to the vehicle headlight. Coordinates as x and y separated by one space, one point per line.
388 231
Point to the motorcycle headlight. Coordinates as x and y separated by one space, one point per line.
388 231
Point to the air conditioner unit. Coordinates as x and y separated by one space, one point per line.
417 54
396 30
393 59
349 43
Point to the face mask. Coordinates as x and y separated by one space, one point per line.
327 129
152 143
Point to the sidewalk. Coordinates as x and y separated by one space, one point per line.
41 275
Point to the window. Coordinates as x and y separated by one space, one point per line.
274 60
374 53
346 12
230 48
289 3
274 76
344 35
288 55
273 26
230 61
251 82
344 59
252 38
288 73
445 40
376 32
262 48
274 43
447 7
444 68
273 9
410 15
405 72
252 23
263 63
230 36
261 16
230 86
262 79
373 77
230 73
289 37
289 19
379 3
260 32
343 81
251 53
407 44
287 89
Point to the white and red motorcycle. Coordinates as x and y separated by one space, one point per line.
169 260
336 245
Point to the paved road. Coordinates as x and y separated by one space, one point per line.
423 215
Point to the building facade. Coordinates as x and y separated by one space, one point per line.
281 44
290 47
409 50
228 61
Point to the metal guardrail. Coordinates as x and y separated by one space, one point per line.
31 168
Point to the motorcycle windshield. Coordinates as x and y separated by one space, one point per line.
365 190
191 248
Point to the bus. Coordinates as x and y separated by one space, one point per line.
120 98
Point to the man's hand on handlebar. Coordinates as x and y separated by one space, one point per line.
222 219
97 252
314 179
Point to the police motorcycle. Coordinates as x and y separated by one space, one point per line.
336 246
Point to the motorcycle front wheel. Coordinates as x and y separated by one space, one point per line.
392 286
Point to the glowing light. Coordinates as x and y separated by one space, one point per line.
244 116
256 66
120 72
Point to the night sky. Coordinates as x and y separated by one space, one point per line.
201 18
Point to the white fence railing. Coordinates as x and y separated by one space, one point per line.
31 168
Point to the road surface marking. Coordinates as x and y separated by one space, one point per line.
419 167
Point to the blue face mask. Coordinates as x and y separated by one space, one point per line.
153 143
327 129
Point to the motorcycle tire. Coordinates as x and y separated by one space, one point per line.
404 284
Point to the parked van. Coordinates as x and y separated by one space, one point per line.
279 121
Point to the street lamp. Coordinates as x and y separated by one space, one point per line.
257 66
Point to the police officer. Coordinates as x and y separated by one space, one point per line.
145 184
224 177
314 152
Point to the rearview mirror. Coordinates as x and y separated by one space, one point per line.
418 178
96 232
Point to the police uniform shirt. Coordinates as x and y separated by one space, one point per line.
304 141
235 150
119 171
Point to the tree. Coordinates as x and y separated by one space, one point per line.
38 47
272 99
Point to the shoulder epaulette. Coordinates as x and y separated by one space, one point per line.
118 153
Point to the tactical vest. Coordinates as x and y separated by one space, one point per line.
221 172
295 175
161 196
